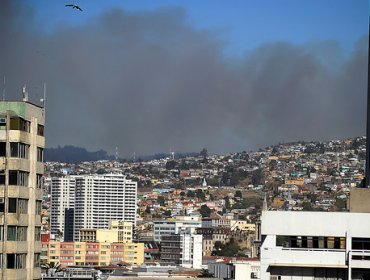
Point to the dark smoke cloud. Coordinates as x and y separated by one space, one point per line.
148 82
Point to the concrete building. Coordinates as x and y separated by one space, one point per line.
235 269
91 201
184 249
21 168
94 253
211 236
119 231
62 198
315 245
174 226
125 230
101 198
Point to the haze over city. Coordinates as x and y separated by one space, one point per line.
154 76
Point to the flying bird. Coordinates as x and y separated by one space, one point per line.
74 7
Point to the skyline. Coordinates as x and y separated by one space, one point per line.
240 95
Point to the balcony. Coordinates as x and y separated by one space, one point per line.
359 259
305 257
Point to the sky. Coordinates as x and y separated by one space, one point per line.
151 76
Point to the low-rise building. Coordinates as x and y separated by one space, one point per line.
94 253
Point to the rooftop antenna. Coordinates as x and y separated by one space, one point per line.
24 94
4 88
116 153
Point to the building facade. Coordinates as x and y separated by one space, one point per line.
94 253
119 231
101 198
315 245
183 249
91 201
174 226
62 191
21 169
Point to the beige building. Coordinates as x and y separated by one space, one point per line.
119 231
125 230
94 253
21 169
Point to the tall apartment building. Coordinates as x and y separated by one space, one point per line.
62 201
21 169
95 200
101 198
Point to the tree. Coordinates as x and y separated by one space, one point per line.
161 200
257 177
190 193
201 195
171 164
229 249
205 211
227 203
340 204
147 210
307 206
167 213
239 194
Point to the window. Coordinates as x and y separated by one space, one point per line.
2 149
361 243
40 130
17 233
38 207
39 181
2 177
37 233
17 123
12 205
320 242
17 261
40 154
18 178
2 208
1 232
19 150
36 260
23 206
21 233
12 233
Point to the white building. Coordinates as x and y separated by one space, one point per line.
183 249
62 197
168 227
236 270
315 245
95 200
101 198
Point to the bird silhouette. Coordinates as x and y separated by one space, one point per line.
74 7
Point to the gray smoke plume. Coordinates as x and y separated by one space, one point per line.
148 82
